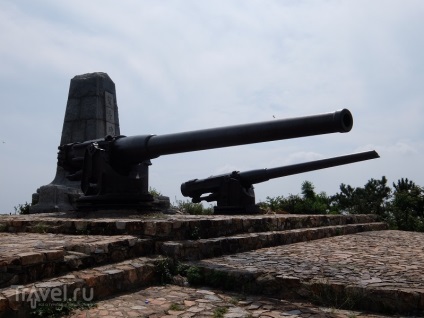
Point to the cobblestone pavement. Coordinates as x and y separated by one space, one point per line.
380 259
174 301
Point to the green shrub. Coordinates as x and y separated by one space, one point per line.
52 310
164 268
193 208
22 208
155 193
220 312
194 275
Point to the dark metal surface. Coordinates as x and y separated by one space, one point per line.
139 148
234 191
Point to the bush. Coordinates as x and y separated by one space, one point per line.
22 208
193 208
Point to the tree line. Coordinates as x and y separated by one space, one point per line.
402 206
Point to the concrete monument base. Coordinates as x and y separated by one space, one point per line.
91 113
54 198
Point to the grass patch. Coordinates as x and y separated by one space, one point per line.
176 307
220 312
40 228
53 310
324 293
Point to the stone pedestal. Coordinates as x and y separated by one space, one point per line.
91 113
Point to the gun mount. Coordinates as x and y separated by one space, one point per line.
114 171
234 191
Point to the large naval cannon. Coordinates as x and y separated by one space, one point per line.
114 170
234 192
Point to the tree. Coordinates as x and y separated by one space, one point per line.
371 199
308 203
407 207
308 190
376 193
345 200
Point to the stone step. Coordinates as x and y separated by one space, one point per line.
207 248
27 257
85 285
57 253
379 271
169 227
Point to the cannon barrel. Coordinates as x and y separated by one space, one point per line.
262 175
135 149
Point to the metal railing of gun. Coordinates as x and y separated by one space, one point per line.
234 192
114 170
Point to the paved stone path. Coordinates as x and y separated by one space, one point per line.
383 259
174 301
381 270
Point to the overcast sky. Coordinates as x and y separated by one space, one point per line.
187 65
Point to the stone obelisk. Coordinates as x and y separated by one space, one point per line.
91 113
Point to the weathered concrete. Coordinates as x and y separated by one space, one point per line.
91 113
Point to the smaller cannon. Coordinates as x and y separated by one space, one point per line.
234 191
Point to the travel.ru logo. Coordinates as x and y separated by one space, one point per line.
51 293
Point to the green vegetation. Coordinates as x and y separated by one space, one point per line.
220 312
40 227
155 193
323 293
194 275
186 206
401 207
193 208
194 233
165 269
52 310
22 208
406 209
3 227
176 307
308 203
